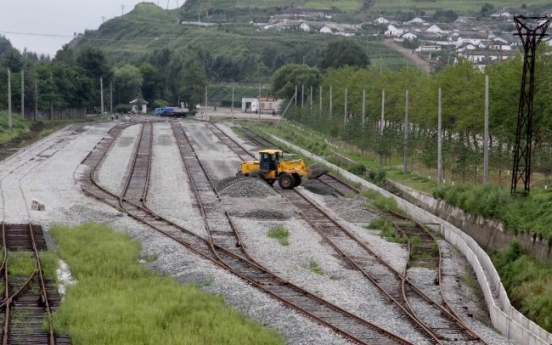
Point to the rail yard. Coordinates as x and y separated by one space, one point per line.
171 185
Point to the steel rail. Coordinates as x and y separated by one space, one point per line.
343 332
403 282
249 271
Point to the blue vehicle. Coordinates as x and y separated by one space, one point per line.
171 111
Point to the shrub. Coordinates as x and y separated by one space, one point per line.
377 176
357 169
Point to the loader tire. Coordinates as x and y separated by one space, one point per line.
286 181
297 179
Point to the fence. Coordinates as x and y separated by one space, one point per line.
56 114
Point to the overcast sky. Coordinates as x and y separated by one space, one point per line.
43 26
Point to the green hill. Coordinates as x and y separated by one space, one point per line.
223 33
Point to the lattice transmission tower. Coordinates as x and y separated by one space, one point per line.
531 31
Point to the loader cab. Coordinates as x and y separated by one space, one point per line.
269 159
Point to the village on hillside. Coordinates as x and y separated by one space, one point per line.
479 40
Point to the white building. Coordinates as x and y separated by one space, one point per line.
139 105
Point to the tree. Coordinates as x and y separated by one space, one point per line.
128 83
344 52
153 84
193 81
95 64
286 78
486 10
444 16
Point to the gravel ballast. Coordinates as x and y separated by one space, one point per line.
53 180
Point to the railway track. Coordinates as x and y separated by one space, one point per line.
28 298
342 322
437 319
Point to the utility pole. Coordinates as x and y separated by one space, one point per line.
10 123
320 99
36 101
363 107
295 95
232 109
101 96
439 142
382 112
311 100
122 9
22 94
302 96
331 102
406 134
205 97
345 109
259 103
486 140
51 98
111 97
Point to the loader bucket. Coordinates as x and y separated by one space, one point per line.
316 172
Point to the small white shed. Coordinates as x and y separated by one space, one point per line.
139 105
250 105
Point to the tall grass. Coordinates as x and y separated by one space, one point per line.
528 282
118 301
530 213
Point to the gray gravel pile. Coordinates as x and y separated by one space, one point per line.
317 187
220 185
247 187
264 214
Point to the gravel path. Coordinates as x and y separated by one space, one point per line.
117 161
170 195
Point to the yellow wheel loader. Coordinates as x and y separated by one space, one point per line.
271 166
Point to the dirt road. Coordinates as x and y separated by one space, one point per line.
409 54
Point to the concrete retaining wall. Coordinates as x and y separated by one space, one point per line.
504 317
489 234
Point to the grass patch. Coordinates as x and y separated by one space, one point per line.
280 233
387 230
118 301
314 267
21 263
49 264
383 203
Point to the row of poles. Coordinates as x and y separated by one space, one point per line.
406 124
10 111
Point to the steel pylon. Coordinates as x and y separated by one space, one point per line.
531 31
